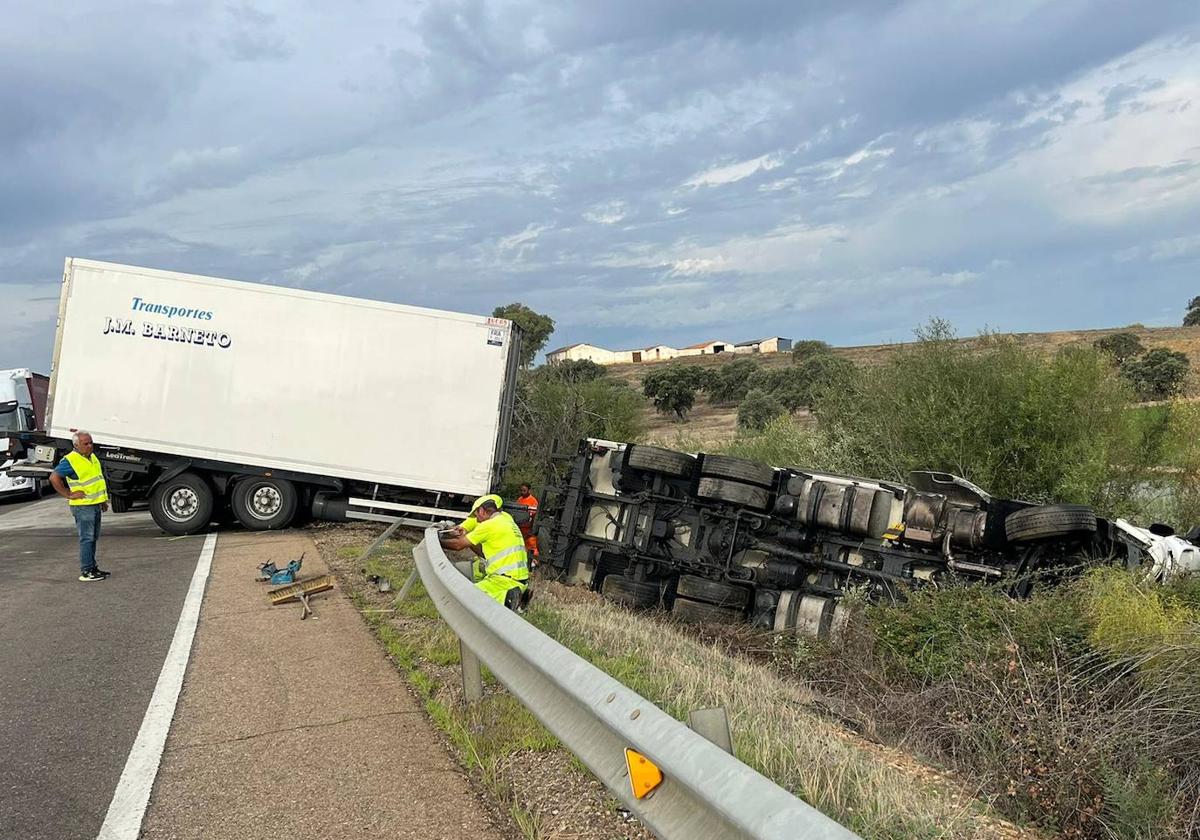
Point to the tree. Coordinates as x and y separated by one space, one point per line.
553 413
1121 346
1158 375
729 383
759 409
807 348
1192 317
535 328
673 388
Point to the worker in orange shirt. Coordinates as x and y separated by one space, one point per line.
526 499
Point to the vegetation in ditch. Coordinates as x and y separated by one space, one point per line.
1075 709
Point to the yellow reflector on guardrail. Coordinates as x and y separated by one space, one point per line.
644 776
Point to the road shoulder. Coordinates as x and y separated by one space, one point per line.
299 728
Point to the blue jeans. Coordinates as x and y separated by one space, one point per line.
87 520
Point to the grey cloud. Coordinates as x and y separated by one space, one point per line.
471 152
1124 96
254 35
1144 173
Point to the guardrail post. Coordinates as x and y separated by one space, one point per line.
380 540
472 674
713 724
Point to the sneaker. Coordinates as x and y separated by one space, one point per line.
91 575
101 572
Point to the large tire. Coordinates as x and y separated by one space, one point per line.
755 498
721 594
119 504
630 592
1038 523
737 469
658 460
698 612
182 505
264 504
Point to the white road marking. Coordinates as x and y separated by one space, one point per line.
128 806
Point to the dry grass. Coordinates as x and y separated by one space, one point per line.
776 729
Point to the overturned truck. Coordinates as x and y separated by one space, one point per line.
721 539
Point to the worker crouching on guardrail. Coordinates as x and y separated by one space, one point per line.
503 568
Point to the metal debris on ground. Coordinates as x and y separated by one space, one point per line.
270 573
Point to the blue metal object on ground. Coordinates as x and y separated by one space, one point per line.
270 573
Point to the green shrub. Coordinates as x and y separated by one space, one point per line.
551 411
759 409
1120 346
783 443
1128 617
1010 419
783 385
729 384
807 348
574 370
1159 374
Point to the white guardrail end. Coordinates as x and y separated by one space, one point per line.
705 792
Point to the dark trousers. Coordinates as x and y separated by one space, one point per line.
87 520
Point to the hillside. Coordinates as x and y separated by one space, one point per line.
709 423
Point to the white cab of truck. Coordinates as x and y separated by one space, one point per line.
206 395
22 401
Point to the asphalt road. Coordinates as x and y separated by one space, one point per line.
78 661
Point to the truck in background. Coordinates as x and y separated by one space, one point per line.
211 398
22 411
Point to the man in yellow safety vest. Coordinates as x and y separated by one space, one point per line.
79 479
495 538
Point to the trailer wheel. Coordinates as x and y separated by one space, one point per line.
755 498
1048 521
630 592
265 504
699 612
721 594
182 505
737 469
658 460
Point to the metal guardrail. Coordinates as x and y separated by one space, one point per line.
705 791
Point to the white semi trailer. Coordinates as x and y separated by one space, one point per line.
209 397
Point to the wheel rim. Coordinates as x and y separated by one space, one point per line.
182 504
264 501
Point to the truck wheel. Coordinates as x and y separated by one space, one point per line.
737 469
721 594
658 460
630 592
755 498
1037 523
119 504
264 504
182 505
698 612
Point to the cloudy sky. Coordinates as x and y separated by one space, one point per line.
642 170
